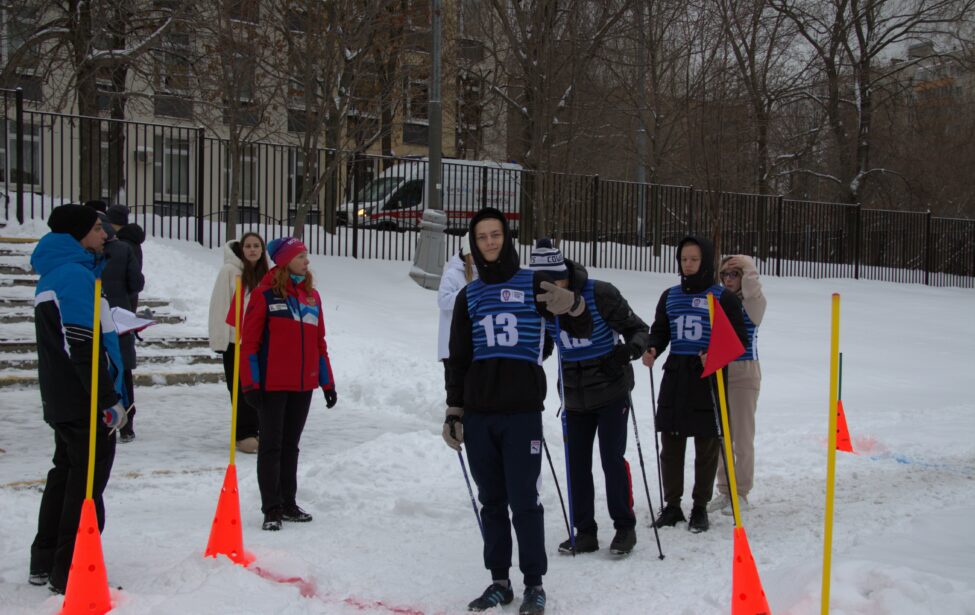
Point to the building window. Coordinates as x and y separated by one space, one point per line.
174 76
296 19
10 169
171 168
18 27
247 182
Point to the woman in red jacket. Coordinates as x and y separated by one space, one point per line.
283 360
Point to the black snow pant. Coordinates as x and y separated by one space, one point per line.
60 512
505 454
610 424
283 415
130 391
706 452
248 421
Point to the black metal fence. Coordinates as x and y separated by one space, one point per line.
177 182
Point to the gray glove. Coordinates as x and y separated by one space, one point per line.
453 429
115 417
561 300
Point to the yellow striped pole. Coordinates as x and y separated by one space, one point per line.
92 423
236 389
726 432
834 358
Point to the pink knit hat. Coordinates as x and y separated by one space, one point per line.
283 249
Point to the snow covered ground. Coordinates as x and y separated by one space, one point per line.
394 531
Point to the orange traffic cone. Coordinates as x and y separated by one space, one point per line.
226 536
843 442
747 595
87 591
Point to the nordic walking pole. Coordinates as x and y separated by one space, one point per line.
643 470
470 492
565 436
656 440
557 488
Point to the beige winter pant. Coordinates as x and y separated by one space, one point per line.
744 382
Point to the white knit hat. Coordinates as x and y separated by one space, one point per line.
546 257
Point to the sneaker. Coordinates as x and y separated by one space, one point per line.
669 516
294 514
38 578
55 589
623 542
585 543
699 520
494 595
743 505
248 445
720 504
126 436
533 602
272 521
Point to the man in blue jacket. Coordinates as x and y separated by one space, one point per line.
68 260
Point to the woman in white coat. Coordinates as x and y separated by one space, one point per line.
458 273
246 258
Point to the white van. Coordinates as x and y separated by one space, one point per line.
396 199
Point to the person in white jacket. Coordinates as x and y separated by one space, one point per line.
740 276
458 273
246 258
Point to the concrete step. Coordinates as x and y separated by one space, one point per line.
15 269
19 240
18 281
14 252
30 363
155 342
14 302
141 378
162 319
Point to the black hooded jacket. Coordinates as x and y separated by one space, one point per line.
133 235
685 405
498 386
594 384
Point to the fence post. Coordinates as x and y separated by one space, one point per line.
594 258
200 169
19 98
856 243
484 187
354 214
780 206
927 248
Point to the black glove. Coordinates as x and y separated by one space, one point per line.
622 355
331 398
254 399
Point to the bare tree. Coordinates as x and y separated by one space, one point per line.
847 40
86 42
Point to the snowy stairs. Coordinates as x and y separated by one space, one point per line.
166 354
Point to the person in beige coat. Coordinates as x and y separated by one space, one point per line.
739 275
246 258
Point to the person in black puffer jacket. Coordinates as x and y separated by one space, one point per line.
122 280
130 233
685 407
597 380
495 397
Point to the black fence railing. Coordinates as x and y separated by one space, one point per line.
179 183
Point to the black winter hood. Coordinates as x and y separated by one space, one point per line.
578 275
131 232
507 264
704 278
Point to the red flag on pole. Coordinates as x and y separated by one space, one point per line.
724 346
843 441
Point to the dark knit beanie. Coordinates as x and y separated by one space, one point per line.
118 214
76 220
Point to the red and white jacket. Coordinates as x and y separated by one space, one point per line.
282 345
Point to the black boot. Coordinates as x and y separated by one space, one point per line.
494 595
669 516
623 542
699 520
294 514
585 543
272 520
